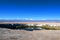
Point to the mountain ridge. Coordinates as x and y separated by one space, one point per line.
29 20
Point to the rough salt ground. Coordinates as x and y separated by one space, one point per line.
8 34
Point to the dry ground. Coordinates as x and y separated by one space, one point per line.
8 34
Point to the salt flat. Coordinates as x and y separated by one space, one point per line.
39 23
8 34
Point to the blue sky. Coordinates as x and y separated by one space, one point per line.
30 9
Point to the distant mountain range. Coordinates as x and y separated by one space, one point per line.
29 20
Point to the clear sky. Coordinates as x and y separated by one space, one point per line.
30 9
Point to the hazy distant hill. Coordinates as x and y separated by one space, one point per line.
29 20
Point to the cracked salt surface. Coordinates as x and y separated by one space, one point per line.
8 34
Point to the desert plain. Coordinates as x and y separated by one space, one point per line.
10 34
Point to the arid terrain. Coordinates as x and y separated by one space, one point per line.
29 22
9 34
